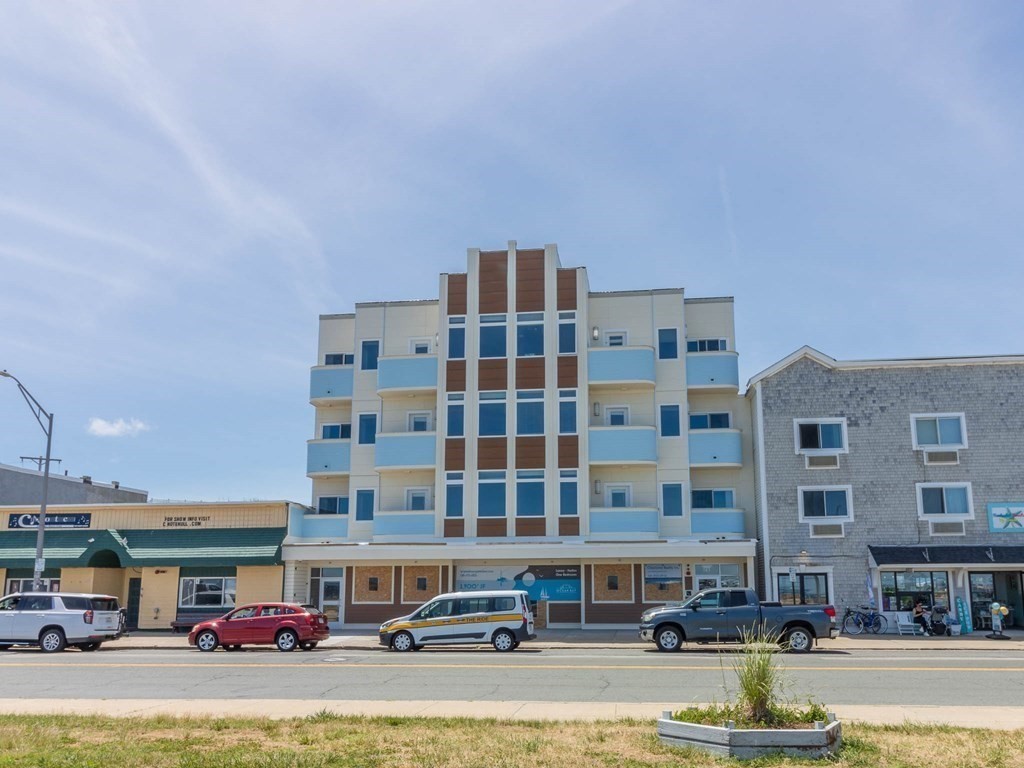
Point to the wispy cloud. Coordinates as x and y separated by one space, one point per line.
102 428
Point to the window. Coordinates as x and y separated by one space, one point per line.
211 592
336 431
421 583
470 605
364 505
668 344
492 414
615 338
618 495
530 493
567 412
672 499
492 336
453 495
716 498
373 584
718 576
456 338
803 589
568 493
35 603
706 345
370 351
944 499
901 590
616 416
417 499
491 494
613 582
669 420
710 420
831 503
367 428
456 415
939 430
530 413
332 505
567 333
530 334
339 359
419 421
820 435
25 585
420 346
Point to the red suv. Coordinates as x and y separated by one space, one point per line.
282 624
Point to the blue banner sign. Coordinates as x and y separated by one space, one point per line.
80 520
542 582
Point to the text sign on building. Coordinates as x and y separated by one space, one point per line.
542 582
1006 517
81 520
663 573
186 521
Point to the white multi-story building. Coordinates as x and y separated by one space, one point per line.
522 431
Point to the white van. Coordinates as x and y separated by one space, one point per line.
55 620
501 618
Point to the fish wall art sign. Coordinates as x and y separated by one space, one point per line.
1006 517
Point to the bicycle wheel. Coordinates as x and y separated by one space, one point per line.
879 624
853 624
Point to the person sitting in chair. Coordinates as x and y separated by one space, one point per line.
921 618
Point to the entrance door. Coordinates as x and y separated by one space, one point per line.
132 608
331 598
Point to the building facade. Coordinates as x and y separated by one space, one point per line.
524 431
891 481
25 486
166 563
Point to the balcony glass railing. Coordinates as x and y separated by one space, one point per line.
620 366
328 457
405 450
623 445
716 448
624 520
330 382
717 522
407 373
713 371
405 523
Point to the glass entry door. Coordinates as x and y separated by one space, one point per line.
327 590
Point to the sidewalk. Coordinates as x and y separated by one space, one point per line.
559 639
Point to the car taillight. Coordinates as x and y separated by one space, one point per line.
87 617
830 611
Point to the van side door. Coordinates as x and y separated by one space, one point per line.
472 620
433 622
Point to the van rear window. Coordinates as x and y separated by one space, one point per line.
76 603
105 604
504 603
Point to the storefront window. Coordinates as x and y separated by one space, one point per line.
803 589
901 590
983 593
25 585
213 592
718 575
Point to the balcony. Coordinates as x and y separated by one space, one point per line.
327 457
406 374
620 367
716 448
713 371
330 384
624 522
405 450
405 523
717 522
319 526
623 445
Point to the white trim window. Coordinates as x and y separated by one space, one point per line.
420 421
369 351
820 436
339 358
530 412
567 333
530 334
618 495
417 499
616 415
567 412
568 492
616 338
668 344
454 499
456 337
493 336
712 498
456 426
711 420
492 414
206 592
945 501
938 431
825 503
421 346
706 345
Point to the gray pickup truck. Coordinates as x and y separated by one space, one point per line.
727 614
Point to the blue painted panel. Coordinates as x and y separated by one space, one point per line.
412 524
730 521
414 449
716 447
620 364
328 456
418 372
712 369
623 444
330 382
324 526
624 521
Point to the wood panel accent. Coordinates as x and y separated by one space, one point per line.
454 528
530 452
530 373
564 613
493 374
410 595
669 592
455 454
456 376
568 526
493 282
457 289
490 527
368 613
568 451
624 572
615 613
492 453
531 526
530 281
568 372
566 289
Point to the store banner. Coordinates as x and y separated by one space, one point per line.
667 573
82 520
541 582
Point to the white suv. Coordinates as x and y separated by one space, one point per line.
55 620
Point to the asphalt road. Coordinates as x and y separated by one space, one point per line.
570 675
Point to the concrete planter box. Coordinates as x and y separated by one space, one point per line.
748 744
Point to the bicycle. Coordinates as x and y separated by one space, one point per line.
864 618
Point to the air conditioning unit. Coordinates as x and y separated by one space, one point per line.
830 461
947 529
941 457
827 529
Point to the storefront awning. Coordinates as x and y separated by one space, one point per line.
958 555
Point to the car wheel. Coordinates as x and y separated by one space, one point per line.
503 641
52 641
402 642
286 640
668 639
798 640
207 641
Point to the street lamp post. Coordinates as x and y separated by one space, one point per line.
45 420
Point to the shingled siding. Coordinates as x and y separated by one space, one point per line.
882 466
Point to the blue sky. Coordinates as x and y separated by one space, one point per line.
184 188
